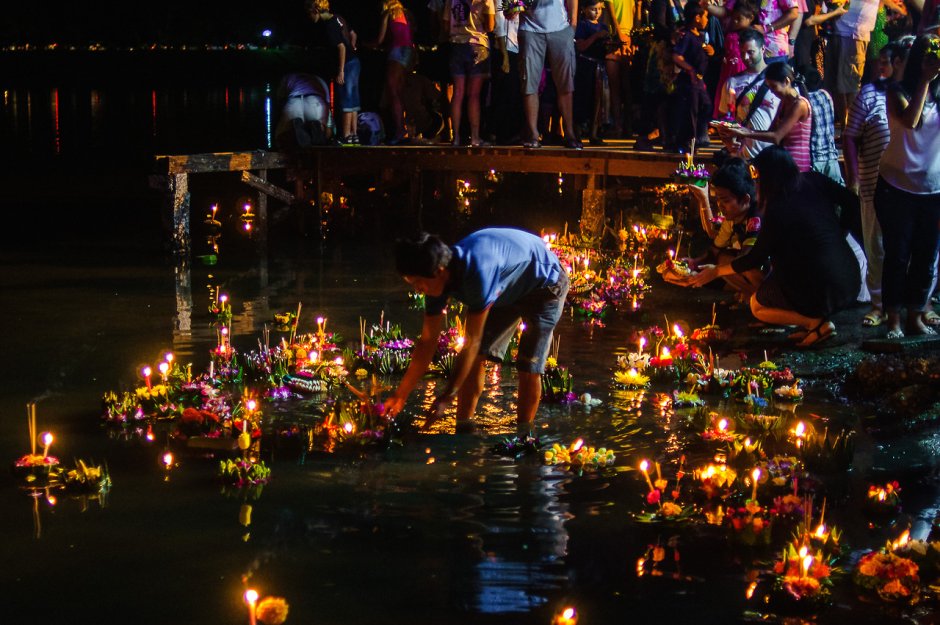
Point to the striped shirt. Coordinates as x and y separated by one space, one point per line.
822 146
868 125
797 142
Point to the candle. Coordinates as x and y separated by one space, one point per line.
642 343
644 467
147 371
755 476
211 368
807 562
164 368
665 358
46 443
568 616
251 598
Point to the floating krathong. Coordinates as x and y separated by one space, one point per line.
579 455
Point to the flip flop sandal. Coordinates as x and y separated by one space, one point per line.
930 319
896 333
821 333
873 319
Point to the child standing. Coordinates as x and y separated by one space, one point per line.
691 103
343 40
590 39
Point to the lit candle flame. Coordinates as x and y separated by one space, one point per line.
251 596
167 459
820 531
722 425
750 590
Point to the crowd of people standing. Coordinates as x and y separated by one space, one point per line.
786 85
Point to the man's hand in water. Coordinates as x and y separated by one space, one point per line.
393 406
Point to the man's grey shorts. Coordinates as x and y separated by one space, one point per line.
558 47
540 310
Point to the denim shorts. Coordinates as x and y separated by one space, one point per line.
558 48
540 310
347 95
463 60
403 55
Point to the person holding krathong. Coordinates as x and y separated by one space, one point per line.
813 272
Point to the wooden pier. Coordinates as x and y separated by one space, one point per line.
595 164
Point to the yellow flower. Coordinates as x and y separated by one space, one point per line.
670 509
630 378
361 373
551 362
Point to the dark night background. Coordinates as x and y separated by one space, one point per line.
173 22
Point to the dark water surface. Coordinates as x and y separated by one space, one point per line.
380 536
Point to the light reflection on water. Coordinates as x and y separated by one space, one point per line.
117 122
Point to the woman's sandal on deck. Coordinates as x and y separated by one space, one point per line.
873 319
931 319
824 331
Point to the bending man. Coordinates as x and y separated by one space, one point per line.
501 275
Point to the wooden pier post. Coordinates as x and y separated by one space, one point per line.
178 192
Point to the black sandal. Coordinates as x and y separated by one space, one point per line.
823 331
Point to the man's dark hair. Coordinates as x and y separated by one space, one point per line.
735 176
749 34
421 255
691 12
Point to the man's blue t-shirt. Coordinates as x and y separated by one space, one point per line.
496 266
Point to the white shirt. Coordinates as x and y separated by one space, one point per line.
763 115
508 29
859 21
911 162
546 16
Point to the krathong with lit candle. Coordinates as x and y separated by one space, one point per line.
36 468
924 553
803 579
221 308
884 500
662 502
719 428
630 379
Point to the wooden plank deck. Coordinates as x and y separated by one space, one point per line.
617 158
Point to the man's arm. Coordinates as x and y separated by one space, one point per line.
421 358
340 75
473 335
572 6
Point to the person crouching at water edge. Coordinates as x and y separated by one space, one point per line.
501 275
